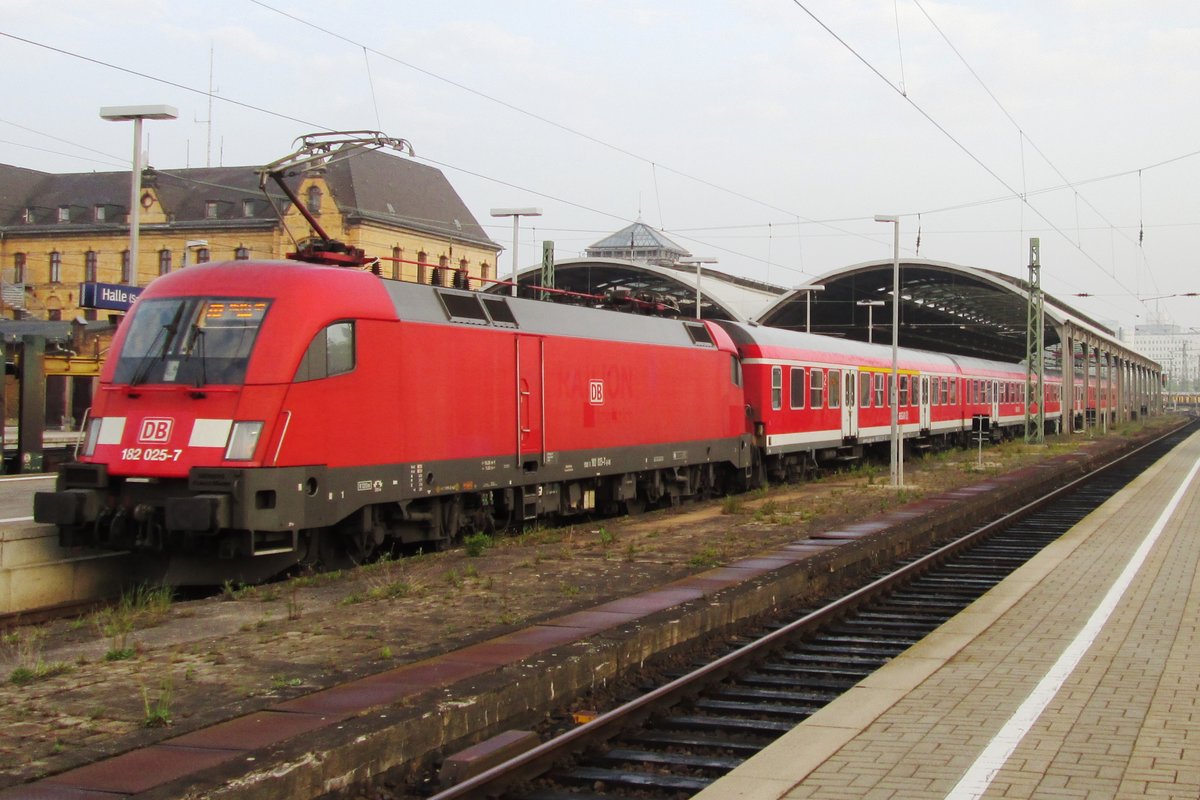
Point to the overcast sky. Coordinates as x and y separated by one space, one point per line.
764 133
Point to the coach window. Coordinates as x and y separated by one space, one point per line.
864 389
330 353
879 389
816 388
903 401
776 388
796 377
835 388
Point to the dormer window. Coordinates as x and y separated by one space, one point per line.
212 209
98 213
313 200
248 208
64 213
27 216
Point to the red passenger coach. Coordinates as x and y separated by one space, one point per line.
260 414
817 399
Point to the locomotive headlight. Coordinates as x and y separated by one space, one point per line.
242 441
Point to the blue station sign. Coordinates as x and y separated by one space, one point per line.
110 296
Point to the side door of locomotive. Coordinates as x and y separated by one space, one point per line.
849 404
531 406
926 402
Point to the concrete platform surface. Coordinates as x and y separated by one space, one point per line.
1078 676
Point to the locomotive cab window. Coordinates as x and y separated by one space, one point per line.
330 353
196 341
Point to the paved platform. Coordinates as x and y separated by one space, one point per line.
1078 676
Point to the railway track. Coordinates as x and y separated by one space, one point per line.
678 738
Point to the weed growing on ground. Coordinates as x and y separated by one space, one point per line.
142 605
732 504
383 591
158 710
708 556
283 682
477 543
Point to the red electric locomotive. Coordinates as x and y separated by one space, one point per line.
255 415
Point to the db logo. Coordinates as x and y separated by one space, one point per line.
596 392
155 430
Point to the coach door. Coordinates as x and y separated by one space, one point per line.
995 399
925 403
531 433
849 404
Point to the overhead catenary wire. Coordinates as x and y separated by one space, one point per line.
1013 193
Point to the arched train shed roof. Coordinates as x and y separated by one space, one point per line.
722 296
945 308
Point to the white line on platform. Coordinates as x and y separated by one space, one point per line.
981 774
46 477
15 519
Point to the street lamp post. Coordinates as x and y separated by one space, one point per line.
808 289
136 114
870 304
516 214
698 260
897 460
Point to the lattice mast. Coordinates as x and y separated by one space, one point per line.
1035 363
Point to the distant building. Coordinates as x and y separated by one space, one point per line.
58 231
638 242
1177 349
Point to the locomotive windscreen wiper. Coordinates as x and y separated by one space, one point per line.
166 334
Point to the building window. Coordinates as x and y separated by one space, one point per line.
241 254
313 200
18 267
98 213
89 266
212 209
247 208
126 272
56 267
397 256
422 267
164 261
202 255
64 213
28 217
